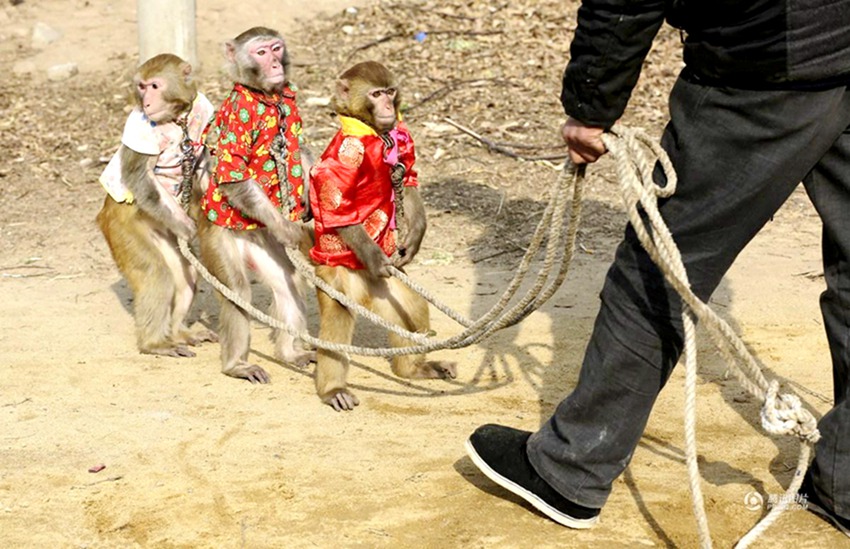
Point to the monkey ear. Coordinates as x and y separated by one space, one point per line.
186 69
230 51
343 90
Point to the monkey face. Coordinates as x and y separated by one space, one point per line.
267 54
152 98
163 87
383 107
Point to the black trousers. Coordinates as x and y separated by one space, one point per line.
739 154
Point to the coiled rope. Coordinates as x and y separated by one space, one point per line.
781 414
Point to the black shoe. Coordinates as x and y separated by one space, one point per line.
500 454
809 497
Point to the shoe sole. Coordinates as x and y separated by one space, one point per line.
821 512
530 497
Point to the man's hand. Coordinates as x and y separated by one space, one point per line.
584 142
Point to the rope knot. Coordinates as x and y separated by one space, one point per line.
784 414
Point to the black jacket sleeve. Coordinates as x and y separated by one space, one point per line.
611 41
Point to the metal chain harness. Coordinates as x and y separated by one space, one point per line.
187 161
279 152
397 172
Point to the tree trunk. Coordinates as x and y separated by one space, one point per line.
167 26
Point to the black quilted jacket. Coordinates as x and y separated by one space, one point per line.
757 44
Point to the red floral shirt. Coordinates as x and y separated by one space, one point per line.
240 136
351 185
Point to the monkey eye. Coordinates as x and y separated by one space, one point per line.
389 92
155 86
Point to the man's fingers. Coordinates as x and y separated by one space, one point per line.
584 156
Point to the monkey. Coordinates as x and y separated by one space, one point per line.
252 207
362 183
141 217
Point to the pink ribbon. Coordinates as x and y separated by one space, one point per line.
391 158
398 136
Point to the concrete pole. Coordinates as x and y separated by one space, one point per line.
167 26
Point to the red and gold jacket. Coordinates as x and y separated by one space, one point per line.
240 138
351 185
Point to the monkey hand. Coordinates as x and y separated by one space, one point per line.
415 223
184 227
367 250
307 214
287 233
409 248
307 163
377 263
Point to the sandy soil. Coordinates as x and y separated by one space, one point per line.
195 459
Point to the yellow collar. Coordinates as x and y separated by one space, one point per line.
355 128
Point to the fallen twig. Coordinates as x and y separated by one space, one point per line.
388 37
530 145
110 479
451 86
811 275
375 42
24 266
514 248
16 403
18 275
411 7
495 147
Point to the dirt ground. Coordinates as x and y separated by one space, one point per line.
196 459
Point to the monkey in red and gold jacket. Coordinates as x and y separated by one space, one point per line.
364 188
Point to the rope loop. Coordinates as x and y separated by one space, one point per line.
636 158
643 152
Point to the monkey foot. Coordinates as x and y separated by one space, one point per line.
300 359
251 372
177 351
341 400
201 336
441 369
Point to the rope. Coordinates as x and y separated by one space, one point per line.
781 414
558 254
